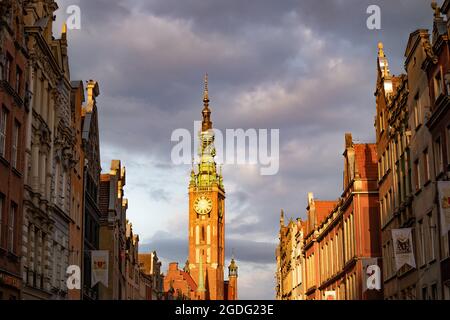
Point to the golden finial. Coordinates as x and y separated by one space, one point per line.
381 50
64 28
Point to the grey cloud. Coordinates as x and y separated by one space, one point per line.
172 248
306 67
160 194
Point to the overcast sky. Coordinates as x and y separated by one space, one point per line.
305 67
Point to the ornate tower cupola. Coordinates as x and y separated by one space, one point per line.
207 175
232 269
385 73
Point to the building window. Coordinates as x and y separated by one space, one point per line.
18 79
426 166
432 228
438 156
438 88
422 258
381 121
2 199
434 292
15 145
12 227
3 122
417 110
424 293
417 175
8 68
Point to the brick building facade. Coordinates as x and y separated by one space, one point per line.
14 111
340 238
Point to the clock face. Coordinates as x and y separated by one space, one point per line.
203 205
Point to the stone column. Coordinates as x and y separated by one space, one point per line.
45 104
42 174
29 121
38 256
50 169
48 179
35 164
38 97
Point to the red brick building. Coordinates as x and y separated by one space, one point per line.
14 99
342 237
179 285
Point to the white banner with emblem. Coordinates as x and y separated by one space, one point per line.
99 267
403 247
444 205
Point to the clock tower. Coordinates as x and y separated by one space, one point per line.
207 215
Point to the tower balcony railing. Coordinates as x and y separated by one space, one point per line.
203 188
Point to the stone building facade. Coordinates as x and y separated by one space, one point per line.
77 180
14 111
290 262
150 266
132 270
437 67
411 129
113 207
393 134
49 158
92 169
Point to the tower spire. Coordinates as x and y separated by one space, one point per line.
206 123
205 91
282 218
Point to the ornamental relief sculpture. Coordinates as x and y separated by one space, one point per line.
45 65
44 134
63 148
429 51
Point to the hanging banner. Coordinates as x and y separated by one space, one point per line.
330 295
99 267
403 247
371 274
444 205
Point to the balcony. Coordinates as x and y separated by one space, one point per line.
439 110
